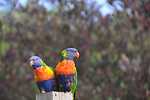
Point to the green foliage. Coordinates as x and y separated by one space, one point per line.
110 98
4 47
96 57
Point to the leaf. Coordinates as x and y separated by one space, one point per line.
96 57
4 47
110 98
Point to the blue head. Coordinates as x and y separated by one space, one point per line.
70 53
35 61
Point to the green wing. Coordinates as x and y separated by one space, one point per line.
74 85
45 65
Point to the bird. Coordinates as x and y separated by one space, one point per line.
66 72
43 74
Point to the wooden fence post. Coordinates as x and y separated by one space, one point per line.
54 96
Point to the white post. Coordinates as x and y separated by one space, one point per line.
54 96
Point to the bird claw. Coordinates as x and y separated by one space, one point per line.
43 91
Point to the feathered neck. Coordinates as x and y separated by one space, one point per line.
66 61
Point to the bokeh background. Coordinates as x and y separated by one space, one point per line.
113 38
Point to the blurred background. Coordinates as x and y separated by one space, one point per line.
113 38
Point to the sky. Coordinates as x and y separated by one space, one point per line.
102 6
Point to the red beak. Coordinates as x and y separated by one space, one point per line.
77 54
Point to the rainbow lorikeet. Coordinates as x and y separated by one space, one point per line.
43 74
66 72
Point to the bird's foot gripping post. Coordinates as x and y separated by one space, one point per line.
54 96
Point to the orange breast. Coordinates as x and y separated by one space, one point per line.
43 73
65 67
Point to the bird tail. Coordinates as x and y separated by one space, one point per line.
74 96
